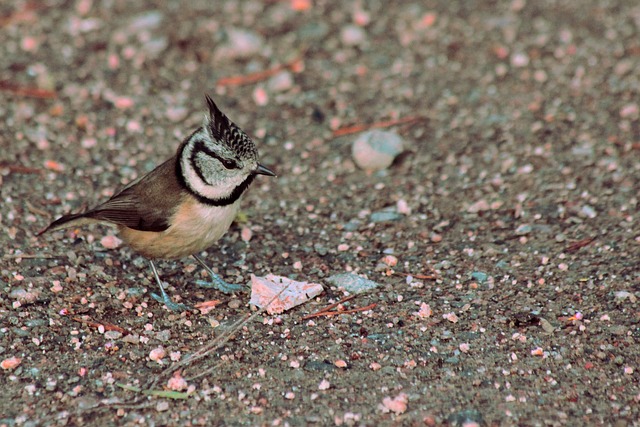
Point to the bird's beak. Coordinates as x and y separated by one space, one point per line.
263 170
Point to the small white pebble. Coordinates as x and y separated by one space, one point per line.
352 35
376 150
246 234
538 351
10 363
324 385
260 96
630 111
390 260
451 317
177 382
396 404
403 207
57 287
110 242
519 60
425 311
157 354
340 363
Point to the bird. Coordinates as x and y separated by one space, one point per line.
185 204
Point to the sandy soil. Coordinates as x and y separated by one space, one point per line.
513 215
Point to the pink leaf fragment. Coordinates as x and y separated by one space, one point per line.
265 289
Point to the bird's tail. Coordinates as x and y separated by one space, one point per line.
72 220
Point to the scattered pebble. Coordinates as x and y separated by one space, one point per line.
340 363
239 43
145 21
352 283
376 149
110 242
176 113
246 234
281 82
131 339
479 276
425 311
402 207
479 206
353 35
157 354
546 325
390 260
630 111
384 216
396 404
10 363
24 296
112 335
451 317
624 295
588 211
519 60
324 385
260 96
524 229
177 382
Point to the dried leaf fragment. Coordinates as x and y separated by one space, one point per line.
279 293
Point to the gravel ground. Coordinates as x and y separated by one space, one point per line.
512 215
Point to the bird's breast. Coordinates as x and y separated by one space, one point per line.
194 227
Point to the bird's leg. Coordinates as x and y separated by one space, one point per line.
164 297
216 281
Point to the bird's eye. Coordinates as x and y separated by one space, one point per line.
229 163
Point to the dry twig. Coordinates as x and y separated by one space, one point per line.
327 311
30 92
579 244
296 65
106 326
348 130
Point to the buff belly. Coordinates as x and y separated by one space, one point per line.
194 228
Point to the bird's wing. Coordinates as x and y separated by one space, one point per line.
147 204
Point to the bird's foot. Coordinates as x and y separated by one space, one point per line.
173 306
218 283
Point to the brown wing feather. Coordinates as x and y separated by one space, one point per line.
146 204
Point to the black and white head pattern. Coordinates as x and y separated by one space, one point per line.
217 162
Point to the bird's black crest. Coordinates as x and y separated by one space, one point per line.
228 133
219 123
